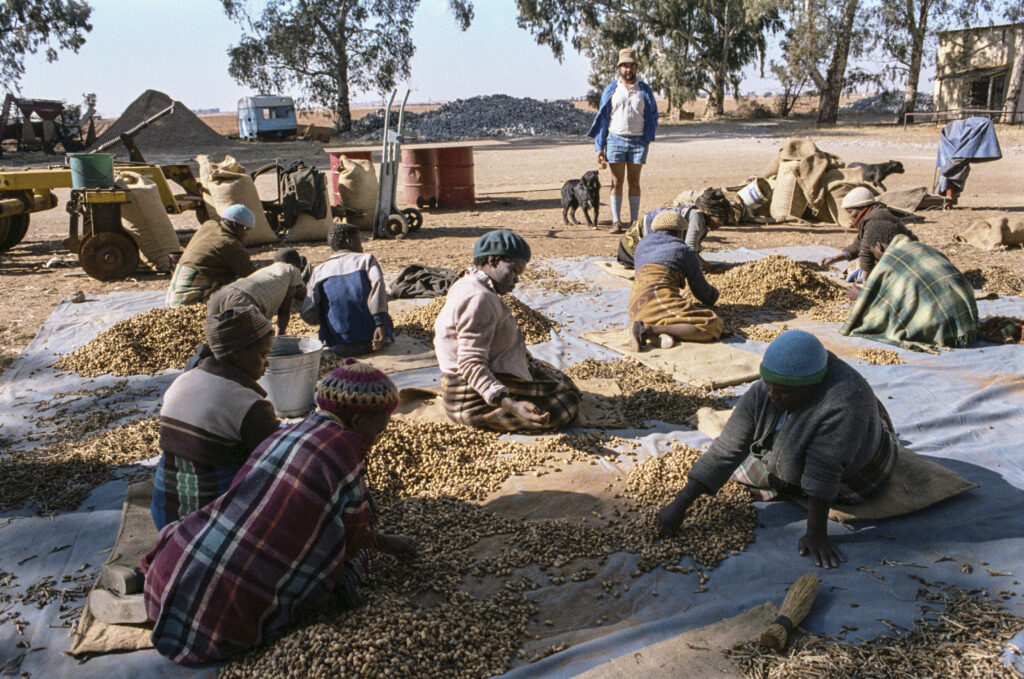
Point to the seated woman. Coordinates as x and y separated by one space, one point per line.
296 527
810 427
488 378
865 210
914 298
214 257
213 417
710 211
347 298
664 264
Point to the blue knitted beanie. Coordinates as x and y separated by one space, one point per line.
501 243
794 358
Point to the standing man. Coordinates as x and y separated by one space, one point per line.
622 131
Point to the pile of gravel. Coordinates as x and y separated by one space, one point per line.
182 128
888 102
496 115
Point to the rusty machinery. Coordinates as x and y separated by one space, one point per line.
105 250
72 129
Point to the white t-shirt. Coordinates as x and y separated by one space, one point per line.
627 118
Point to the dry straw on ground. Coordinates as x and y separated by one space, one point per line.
144 344
59 476
960 634
879 356
647 394
418 323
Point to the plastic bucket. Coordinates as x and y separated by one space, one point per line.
755 193
290 380
91 170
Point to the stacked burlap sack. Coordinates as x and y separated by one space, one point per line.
145 219
802 182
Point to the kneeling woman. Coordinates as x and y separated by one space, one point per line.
488 377
296 527
657 308
810 427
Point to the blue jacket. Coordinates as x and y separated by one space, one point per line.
599 130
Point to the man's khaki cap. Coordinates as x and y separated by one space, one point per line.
627 55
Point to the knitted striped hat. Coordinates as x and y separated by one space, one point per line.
355 387
795 358
668 220
235 329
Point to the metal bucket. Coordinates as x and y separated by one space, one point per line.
756 193
290 380
91 170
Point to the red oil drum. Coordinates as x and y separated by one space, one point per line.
419 177
455 177
336 162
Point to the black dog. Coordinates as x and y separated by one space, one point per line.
876 172
585 193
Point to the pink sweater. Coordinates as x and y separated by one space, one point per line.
476 337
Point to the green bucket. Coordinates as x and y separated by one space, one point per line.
91 170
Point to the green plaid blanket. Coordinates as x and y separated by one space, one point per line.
916 299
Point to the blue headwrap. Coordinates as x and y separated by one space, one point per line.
794 358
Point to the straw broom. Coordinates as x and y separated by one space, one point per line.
794 609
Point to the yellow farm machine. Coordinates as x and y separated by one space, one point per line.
104 248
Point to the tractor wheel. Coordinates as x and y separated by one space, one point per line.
395 226
12 230
109 256
414 217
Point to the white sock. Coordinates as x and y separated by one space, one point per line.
634 208
616 202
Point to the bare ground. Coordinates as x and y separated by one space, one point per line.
518 185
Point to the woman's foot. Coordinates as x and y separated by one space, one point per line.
666 341
638 335
616 228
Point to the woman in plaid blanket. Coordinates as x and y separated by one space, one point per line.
488 378
914 297
810 427
296 526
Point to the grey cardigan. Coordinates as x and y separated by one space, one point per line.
828 439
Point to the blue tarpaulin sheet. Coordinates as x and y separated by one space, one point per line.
960 408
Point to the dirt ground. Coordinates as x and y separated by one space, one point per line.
517 185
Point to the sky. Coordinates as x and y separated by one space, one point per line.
180 48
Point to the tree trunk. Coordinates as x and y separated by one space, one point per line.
342 112
1016 81
828 99
723 64
917 36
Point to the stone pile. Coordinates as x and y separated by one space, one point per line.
888 102
496 115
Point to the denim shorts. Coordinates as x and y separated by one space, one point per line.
626 149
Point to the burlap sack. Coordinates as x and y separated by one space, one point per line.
688 197
146 221
788 200
357 186
993 233
135 537
227 183
916 483
309 228
838 183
